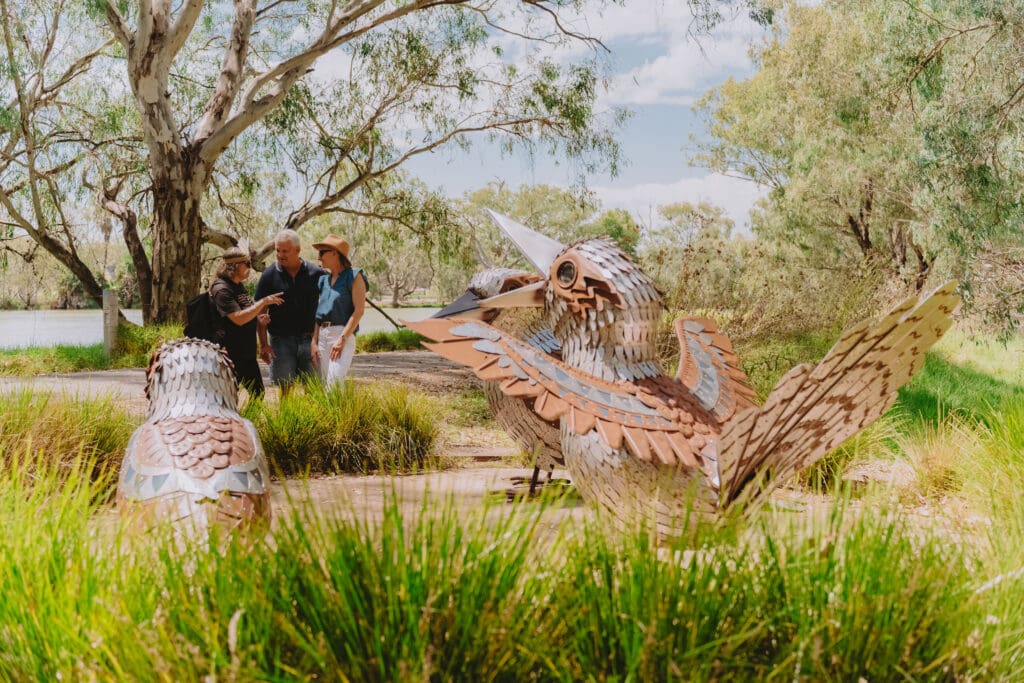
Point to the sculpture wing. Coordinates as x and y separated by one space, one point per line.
623 415
200 454
813 409
709 368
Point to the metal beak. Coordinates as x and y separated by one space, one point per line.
531 295
540 250
466 306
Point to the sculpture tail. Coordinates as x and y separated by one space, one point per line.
813 409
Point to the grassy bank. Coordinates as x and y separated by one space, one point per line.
455 594
133 348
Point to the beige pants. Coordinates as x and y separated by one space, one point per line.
334 371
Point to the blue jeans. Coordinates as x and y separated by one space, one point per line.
292 357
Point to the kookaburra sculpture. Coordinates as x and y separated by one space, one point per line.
646 445
195 460
532 433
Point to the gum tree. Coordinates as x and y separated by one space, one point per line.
229 85
46 61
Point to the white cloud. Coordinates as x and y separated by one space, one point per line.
736 196
681 75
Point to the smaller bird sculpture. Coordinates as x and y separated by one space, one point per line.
532 433
649 446
195 460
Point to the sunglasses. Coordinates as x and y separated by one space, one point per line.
325 251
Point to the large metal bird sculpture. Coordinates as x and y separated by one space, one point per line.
532 433
646 445
195 460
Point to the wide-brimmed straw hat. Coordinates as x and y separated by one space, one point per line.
338 244
235 255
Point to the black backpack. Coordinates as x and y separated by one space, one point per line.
202 320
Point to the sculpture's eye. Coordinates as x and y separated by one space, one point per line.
567 273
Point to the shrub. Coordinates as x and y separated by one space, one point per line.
398 340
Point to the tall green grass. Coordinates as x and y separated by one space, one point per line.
449 593
64 429
348 429
344 429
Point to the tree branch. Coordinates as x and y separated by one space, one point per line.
181 29
226 89
121 31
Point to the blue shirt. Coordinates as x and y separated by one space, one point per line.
336 305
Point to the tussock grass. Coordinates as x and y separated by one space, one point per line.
786 598
135 344
65 429
442 593
348 429
397 340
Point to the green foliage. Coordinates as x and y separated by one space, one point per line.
347 429
397 340
445 590
441 592
64 429
620 226
136 343
764 606
883 131
765 361
52 359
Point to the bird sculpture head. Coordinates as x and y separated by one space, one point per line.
191 376
602 308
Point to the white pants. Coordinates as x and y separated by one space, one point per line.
334 371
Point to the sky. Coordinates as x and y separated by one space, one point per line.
658 71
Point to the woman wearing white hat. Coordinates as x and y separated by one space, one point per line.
342 301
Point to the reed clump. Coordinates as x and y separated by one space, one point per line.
396 340
345 428
65 428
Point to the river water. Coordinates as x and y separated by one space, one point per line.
19 329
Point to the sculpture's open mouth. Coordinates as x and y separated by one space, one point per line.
596 294
466 306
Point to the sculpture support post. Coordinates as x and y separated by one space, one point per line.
110 309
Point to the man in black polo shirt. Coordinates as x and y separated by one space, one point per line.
289 351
